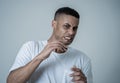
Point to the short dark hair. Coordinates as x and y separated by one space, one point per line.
67 11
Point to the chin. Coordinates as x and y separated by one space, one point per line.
67 43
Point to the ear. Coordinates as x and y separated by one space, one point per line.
54 23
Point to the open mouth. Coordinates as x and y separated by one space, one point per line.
68 38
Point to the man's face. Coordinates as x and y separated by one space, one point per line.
65 28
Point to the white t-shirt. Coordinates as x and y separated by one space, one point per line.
57 67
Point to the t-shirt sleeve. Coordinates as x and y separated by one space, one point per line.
24 56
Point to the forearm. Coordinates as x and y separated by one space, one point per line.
22 74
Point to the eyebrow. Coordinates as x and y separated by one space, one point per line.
67 24
70 25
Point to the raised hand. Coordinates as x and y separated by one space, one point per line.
78 75
53 46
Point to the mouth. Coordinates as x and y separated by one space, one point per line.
68 38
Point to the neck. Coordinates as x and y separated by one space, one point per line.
51 39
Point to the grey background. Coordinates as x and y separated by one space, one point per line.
98 34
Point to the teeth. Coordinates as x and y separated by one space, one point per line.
67 38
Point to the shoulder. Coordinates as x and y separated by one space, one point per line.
34 43
33 47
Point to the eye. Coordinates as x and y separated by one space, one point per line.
75 28
66 26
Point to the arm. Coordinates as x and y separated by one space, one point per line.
22 74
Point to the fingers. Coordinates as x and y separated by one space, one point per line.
57 47
77 75
57 43
77 71
60 49
53 46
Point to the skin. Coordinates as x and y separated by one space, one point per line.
64 26
64 31
78 75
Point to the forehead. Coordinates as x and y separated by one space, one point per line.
63 18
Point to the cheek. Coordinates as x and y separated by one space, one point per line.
62 32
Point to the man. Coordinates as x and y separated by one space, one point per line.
53 61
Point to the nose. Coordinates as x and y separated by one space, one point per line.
71 32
